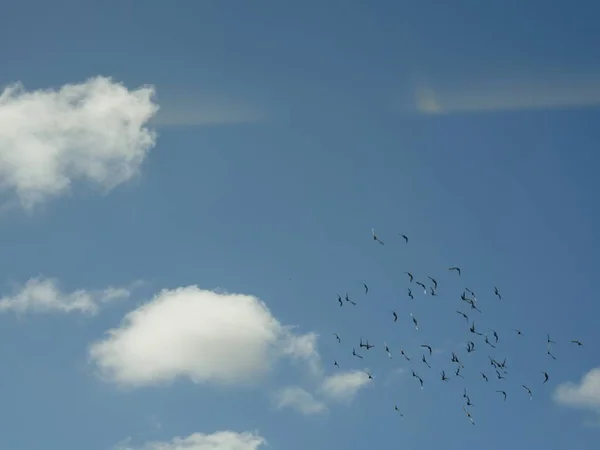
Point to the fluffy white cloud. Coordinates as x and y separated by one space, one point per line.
299 399
344 386
93 131
40 295
221 440
202 335
585 394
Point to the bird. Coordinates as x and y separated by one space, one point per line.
414 319
472 329
340 300
428 348
369 375
495 336
335 363
471 292
432 292
487 341
434 282
425 361
356 354
405 237
423 286
546 377
395 316
497 293
469 402
518 332
550 355
457 372
500 377
368 346
366 288
465 393
548 340
375 238
578 343
410 277
404 354
503 393
348 300
337 337
468 415
396 409
529 391
464 315
410 294
387 350
456 269
484 376
470 346
444 377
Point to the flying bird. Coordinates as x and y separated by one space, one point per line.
423 286
528 391
546 377
434 282
500 377
428 348
484 376
375 238
468 415
337 337
395 316
444 377
414 319
425 361
369 375
472 329
410 277
404 354
340 300
366 288
356 354
432 292
495 336
497 293
387 350
518 332
457 269
548 340
550 355
405 237
578 343
487 341
335 363
410 294
464 315
349 301
471 292
396 409
470 346
457 372
503 393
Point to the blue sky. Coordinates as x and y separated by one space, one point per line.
212 235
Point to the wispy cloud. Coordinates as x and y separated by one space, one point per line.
344 386
567 92
221 440
299 399
92 131
583 395
43 295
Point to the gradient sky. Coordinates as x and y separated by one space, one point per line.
286 132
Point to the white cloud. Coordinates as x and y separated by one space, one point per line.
344 386
304 349
93 131
221 440
202 335
299 399
41 295
585 394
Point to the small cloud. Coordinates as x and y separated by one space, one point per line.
43 295
92 131
344 386
197 334
583 395
299 399
221 440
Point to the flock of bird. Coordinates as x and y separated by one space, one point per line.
477 339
